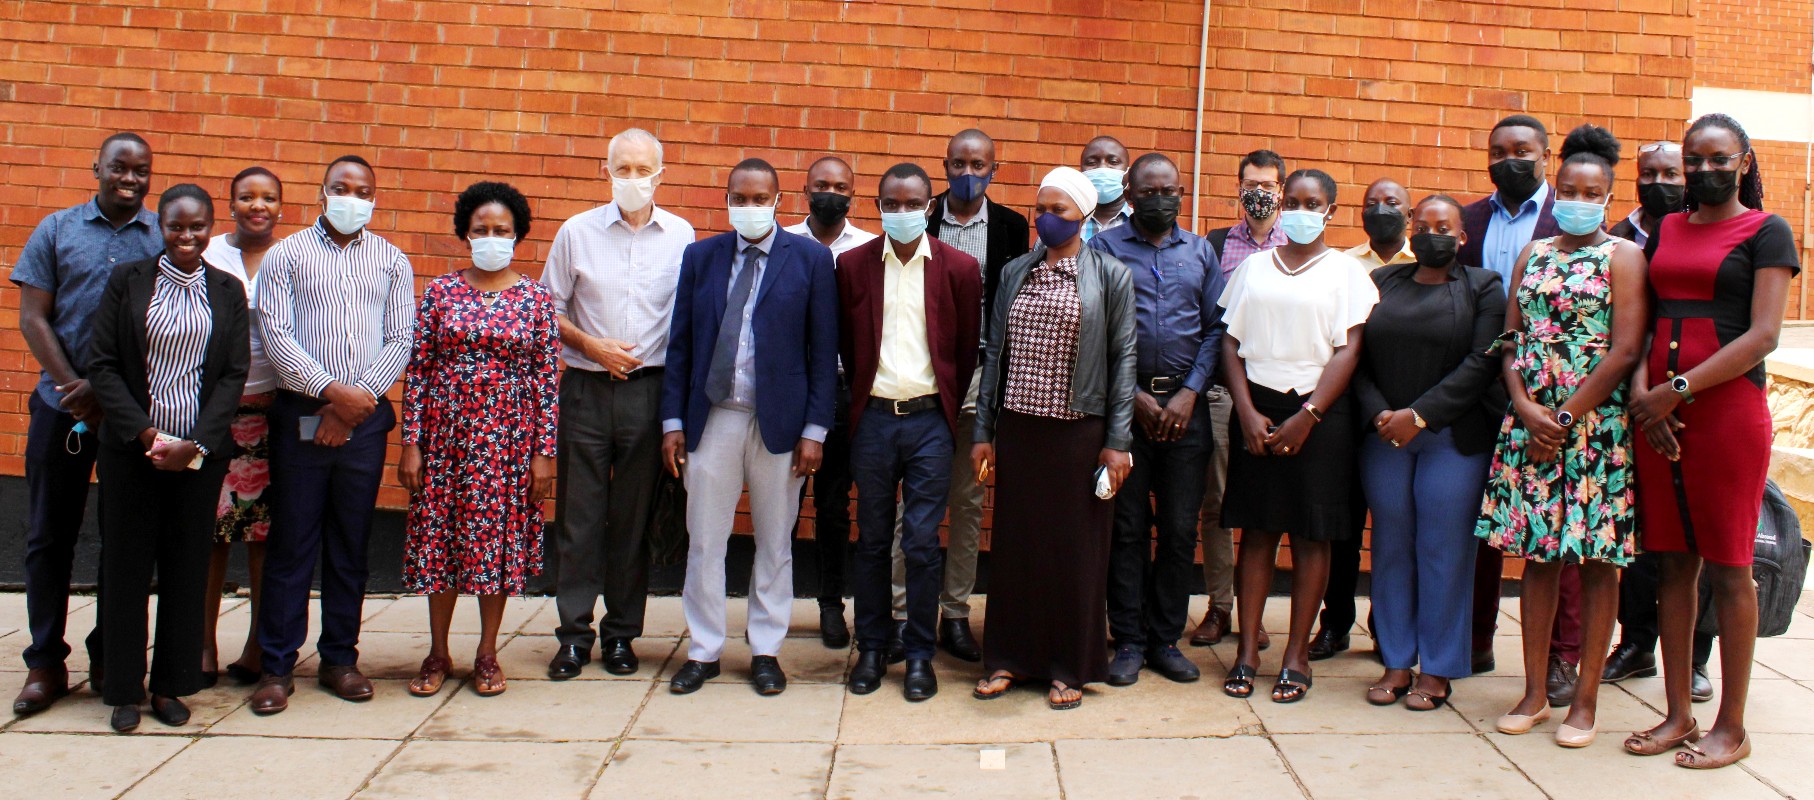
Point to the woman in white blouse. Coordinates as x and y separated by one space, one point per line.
256 199
1294 316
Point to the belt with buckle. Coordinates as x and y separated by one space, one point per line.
645 372
902 408
1162 384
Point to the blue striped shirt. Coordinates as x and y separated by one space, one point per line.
177 326
336 314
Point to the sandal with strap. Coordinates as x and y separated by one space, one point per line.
1291 686
1386 695
1434 701
432 675
1647 743
487 676
1063 705
1693 757
1239 683
981 692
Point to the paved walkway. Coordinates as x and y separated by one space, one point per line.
604 737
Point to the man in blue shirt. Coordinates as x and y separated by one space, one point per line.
62 274
1177 281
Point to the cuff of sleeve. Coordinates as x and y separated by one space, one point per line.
814 432
1195 381
1122 443
319 383
671 426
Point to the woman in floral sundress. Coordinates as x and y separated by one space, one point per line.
1561 487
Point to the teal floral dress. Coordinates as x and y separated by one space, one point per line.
1579 505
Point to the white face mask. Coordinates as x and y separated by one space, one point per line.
348 214
634 194
492 253
752 222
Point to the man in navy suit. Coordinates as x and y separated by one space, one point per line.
746 401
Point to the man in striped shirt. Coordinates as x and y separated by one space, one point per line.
336 306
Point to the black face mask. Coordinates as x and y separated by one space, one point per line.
1711 187
1157 212
1384 223
1434 249
1516 179
1661 198
828 208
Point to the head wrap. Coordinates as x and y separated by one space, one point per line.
1073 183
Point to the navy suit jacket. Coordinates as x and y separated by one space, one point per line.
795 333
1476 216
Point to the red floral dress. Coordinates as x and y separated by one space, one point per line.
480 401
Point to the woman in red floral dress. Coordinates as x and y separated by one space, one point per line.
479 414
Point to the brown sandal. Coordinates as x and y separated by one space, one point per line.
1693 757
984 686
432 675
487 676
1059 690
1647 743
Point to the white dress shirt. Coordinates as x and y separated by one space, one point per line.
904 368
848 239
336 314
617 283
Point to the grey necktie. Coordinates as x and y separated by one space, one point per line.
718 381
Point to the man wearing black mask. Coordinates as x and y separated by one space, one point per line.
830 186
1662 189
1498 227
1177 281
1383 213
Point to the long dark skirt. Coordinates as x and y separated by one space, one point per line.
1049 553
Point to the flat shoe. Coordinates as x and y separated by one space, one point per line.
1645 743
1435 701
125 719
1386 695
430 677
981 691
170 711
1693 757
1291 687
1570 736
1515 724
1063 705
1239 683
487 676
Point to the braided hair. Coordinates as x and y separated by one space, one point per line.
1751 184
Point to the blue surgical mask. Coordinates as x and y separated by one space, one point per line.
965 188
752 222
1579 217
1302 226
348 214
492 253
1108 183
905 227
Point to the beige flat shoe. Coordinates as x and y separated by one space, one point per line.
1570 736
1515 724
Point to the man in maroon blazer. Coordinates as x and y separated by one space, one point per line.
909 319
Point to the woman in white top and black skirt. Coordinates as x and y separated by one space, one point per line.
1294 315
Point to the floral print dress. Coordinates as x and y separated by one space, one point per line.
480 401
1579 505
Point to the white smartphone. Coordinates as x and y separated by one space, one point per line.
306 426
165 438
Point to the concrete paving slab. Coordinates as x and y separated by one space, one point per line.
75 767
249 766
1194 769
730 712
488 769
650 768
880 772
538 711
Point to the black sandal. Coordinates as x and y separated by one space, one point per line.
1239 683
1398 693
1063 705
1435 701
1294 684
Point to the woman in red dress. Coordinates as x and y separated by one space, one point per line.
1721 275
478 433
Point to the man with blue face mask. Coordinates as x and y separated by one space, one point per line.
1105 163
753 307
909 321
336 306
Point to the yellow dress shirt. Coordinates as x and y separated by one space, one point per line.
1364 254
904 370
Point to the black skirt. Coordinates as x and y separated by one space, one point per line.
1309 495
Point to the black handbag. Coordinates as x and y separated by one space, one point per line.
667 531
1779 567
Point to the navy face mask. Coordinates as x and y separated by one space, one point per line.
965 188
1055 230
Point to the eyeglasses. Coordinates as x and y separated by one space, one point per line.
1667 147
1270 186
1717 162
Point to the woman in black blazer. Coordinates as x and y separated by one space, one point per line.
168 362
1433 396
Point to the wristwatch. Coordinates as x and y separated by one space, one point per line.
1679 384
201 448
1565 419
1417 419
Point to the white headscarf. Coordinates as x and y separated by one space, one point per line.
1073 183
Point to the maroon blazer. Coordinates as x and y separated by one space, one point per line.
954 320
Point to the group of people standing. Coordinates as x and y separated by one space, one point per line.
1477 377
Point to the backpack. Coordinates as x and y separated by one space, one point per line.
1779 568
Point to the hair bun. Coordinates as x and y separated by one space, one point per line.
1592 140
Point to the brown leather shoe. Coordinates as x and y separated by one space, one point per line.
273 694
43 686
346 683
1216 625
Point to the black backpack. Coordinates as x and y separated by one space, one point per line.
1779 568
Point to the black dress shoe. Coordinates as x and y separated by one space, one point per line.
766 676
921 683
897 646
1326 644
866 676
125 719
568 660
1172 664
1483 661
1124 668
1700 687
832 629
1560 683
620 657
693 675
1627 661
169 711
954 635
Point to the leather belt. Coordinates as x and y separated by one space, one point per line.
635 374
902 408
1161 384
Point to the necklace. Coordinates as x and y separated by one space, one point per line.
1280 262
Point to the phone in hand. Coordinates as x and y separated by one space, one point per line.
306 427
167 439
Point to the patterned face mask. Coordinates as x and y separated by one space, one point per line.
1259 203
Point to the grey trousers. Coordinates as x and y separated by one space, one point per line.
610 449
1218 542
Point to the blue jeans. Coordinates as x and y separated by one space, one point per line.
1425 498
913 453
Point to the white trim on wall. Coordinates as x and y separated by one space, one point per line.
1770 116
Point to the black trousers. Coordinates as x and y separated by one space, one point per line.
1149 586
610 451
152 519
910 455
831 507
1638 608
57 481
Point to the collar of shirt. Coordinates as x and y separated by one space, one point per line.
845 234
1639 236
1534 203
614 215
180 278
920 254
1275 236
321 227
1066 266
92 213
1132 234
1364 253
981 218
764 244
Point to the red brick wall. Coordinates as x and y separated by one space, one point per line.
439 94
